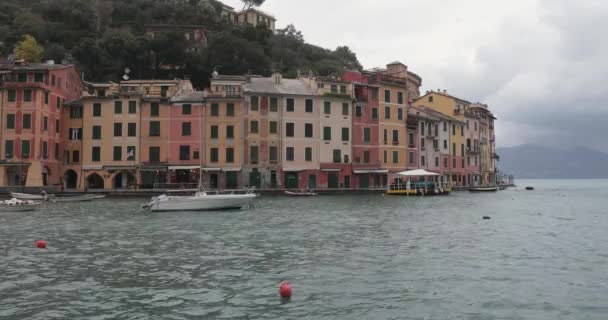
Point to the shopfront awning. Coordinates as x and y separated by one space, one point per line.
184 167
153 168
331 170
92 167
116 168
370 171
293 170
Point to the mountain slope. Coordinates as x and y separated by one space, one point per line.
533 161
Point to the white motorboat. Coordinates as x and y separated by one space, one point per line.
16 205
483 189
78 198
201 201
26 196
301 193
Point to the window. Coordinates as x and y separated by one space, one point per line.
25 149
387 112
12 95
436 161
289 153
411 142
289 129
342 89
334 88
327 133
385 156
274 104
214 154
215 110
229 155
374 113
445 126
187 129
75 156
27 95
454 163
38 77
118 129
230 110
454 148
462 150
27 121
345 109
385 136
22 77
462 131
75 112
53 80
422 126
395 136
445 162
45 150
289 107
9 146
358 111
10 121
57 128
308 154
308 130
214 132
431 99
422 161
387 96
337 155
374 94
132 129
186 109
229 132
96 132
422 143
367 135
154 109
475 125
253 154
75 133
453 129
436 129
396 156
132 107
184 153
445 144
309 105
400 97
468 161
117 107
436 144
345 134
327 107
366 156
154 128
399 113
96 154
254 127
154 154
255 103
273 127
96 109
117 154
273 154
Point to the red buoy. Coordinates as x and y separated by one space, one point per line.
285 290
41 244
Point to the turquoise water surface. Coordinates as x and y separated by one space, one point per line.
543 255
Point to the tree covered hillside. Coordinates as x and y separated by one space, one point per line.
106 36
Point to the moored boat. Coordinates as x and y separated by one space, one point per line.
78 198
483 189
16 205
201 201
301 193
424 188
27 196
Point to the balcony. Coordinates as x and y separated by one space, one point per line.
472 151
395 142
495 156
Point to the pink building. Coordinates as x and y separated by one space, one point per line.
366 166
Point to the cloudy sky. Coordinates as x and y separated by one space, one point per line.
540 64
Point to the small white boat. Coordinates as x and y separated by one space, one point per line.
301 193
16 205
78 198
201 201
484 189
26 196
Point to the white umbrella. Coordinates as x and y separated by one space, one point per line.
417 173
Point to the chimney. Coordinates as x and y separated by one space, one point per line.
50 62
277 78
445 91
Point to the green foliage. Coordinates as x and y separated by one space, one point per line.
106 36
28 49
252 3
337 95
